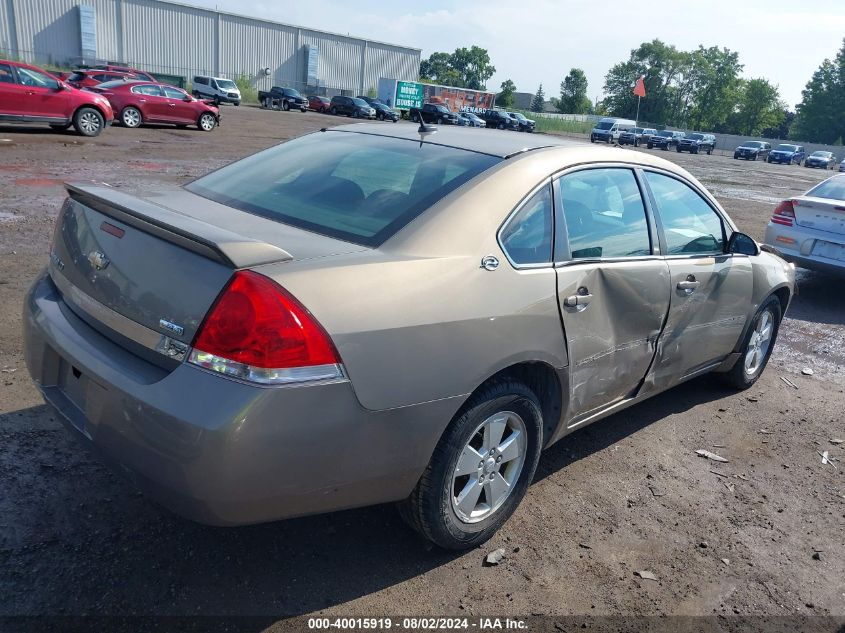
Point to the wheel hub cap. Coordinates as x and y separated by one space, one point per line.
758 342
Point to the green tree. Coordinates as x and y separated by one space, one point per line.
573 93
474 67
505 97
712 87
759 107
539 100
820 117
667 85
465 68
782 129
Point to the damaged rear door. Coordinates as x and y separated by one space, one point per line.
613 286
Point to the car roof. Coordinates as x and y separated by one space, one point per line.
495 143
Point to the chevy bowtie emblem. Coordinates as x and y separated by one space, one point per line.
98 260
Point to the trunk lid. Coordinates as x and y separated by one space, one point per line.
145 274
823 214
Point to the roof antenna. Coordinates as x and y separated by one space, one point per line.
424 129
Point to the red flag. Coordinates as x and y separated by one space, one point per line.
639 89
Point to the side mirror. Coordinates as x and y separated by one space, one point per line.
63 86
742 244
188 99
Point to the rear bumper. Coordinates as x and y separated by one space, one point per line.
801 252
216 450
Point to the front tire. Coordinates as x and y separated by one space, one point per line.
757 346
480 470
88 122
207 122
285 106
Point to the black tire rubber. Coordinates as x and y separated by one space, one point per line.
79 129
333 110
429 509
592 139
285 106
237 103
650 146
737 377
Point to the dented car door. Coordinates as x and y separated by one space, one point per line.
613 286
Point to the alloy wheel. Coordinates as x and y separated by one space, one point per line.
207 122
131 117
90 123
758 344
489 466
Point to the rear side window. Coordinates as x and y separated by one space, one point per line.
153 91
6 74
690 224
605 215
527 237
201 80
356 187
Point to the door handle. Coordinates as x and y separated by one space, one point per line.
142 100
172 105
580 300
689 284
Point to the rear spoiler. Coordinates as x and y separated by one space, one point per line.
212 242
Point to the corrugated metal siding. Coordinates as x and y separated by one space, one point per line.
388 61
169 38
177 39
340 60
248 46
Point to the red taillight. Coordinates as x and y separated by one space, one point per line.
784 213
257 331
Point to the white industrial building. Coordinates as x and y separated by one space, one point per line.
178 39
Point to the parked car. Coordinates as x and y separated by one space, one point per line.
352 106
809 230
696 142
434 113
383 111
319 104
471 119
279 97
842 165
85 78
636 136
276 354
786 153
219 89
140 102
140 74
29 94
825 160
499 119
608 129
665 139
752 150
524 123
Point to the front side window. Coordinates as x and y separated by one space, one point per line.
527 238
360 188
36 79
605 215
173 93
690 224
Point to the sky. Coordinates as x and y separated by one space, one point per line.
534 41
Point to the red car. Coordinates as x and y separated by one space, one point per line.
29 94
87 77
140 74
139 102
319 104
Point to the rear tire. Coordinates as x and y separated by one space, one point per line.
756 347
88 122
131 117
433 508
334 110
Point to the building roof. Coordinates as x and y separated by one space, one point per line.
499 143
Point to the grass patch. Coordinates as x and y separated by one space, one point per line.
249 93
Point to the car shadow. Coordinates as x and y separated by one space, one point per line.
604 433
816 300
92 544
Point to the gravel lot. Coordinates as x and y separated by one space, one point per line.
760 535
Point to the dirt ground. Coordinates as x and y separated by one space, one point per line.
760 535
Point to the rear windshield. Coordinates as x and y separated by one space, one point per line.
360 188
833 188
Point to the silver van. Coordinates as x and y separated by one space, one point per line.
217 88
608 129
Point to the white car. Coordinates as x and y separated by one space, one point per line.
809 230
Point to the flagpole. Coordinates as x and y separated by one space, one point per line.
637 120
